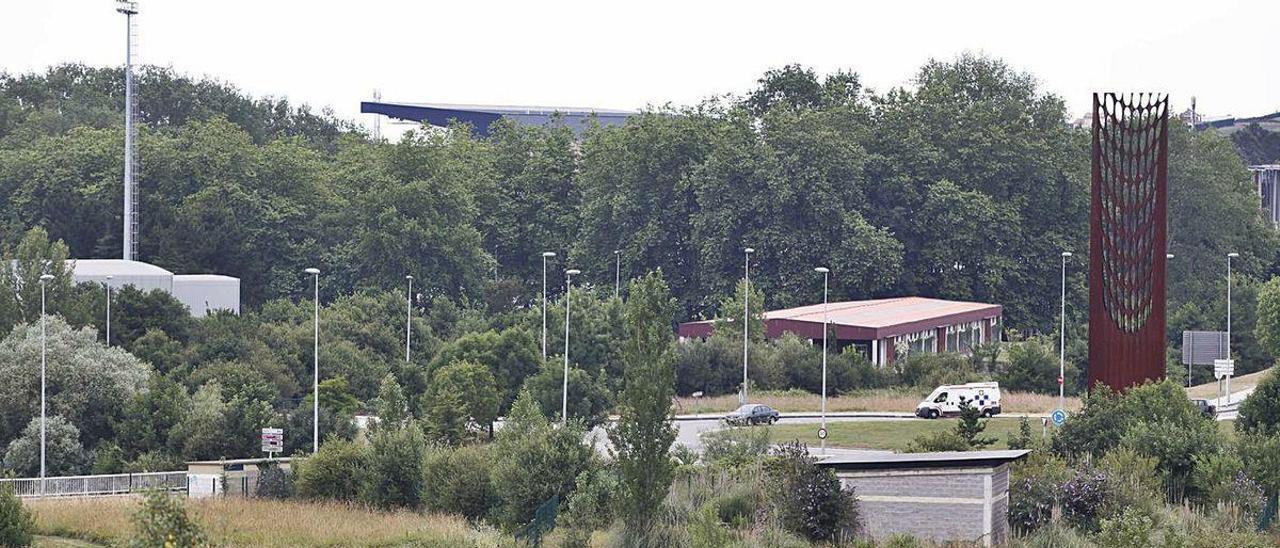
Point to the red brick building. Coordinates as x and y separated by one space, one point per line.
883 329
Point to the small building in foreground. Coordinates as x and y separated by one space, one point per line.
883 330
940 497
202 293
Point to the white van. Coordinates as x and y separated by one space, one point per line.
945 400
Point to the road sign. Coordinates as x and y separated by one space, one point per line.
1059 417
1059 380
822 433
1203 347
273 440
1224 368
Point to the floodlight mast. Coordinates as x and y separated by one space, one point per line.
129 245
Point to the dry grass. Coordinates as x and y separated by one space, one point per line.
256 522
1243 382
894 400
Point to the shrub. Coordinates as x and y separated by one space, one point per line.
273 482
737 505
1130 528
155 461
334 472
162 521
1174 445
809 500
16 523
735 446
1023 439
394 476
1082 498
707 530
1033 490
456 480
1260 412
947 440
930 370
535 462
1133 483
1107 416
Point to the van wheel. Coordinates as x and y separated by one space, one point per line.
986 413
933 413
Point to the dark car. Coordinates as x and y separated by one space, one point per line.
1208 409
752 413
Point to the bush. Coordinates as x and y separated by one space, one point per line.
162 521
737 505
456 480
735 446
1033 490
535 462
64 454
932 369
334 472
591 506
273 482
1082 498
1108 416
1129 529
947 440
809 500
16 523
394 475
155 461
1260 412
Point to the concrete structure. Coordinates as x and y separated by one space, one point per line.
883 329
207 478
481 116
202 293
955 496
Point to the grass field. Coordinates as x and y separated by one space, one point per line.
256 522
894 435
1243 382
901 400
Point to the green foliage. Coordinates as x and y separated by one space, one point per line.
1023 439
808 499
474 386
274 482
456 480
947 440
589 397
735 446
393 407
927 370
534 462
88 384
1260 412
336 472
20 271
16 522
161 521
593 503
64 456
1033 490
1130 528
643 435
1033 367
728 324
1267 329
1261 456
393 478
971 426
512 355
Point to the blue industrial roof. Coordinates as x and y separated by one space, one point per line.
481 116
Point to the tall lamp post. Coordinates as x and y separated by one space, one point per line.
545 255
108 286
44 281
746 317
825 321
568 289
1230 256
617 271
1062 338
315 379
408 318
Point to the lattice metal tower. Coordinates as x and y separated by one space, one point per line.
130 243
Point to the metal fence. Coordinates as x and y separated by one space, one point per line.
101 485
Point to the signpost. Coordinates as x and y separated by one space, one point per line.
1202 348
1059 417
272 441
822 433
1224 369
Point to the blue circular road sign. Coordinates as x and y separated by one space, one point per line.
1059 417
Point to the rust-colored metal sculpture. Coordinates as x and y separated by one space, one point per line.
1127 239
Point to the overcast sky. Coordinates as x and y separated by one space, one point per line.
611 54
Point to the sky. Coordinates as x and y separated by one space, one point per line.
629 55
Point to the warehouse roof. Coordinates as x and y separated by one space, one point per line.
481 116
116 267
864 320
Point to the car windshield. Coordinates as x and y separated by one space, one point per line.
745 409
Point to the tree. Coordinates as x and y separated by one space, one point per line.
1260 412
393 407
202 433
809 499
589 399
162 520
511 356
474 386
64 456
149 416
88 384
16 522
135 312
644 433
535 461
728 323
393 478
1267 329
335 472
20 273
970 427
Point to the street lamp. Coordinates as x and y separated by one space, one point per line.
408 318
617 271
746 312
825 320
1062 343
545 255
568 288
1230 256
315 380
44 281
108 286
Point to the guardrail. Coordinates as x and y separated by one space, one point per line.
99 485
